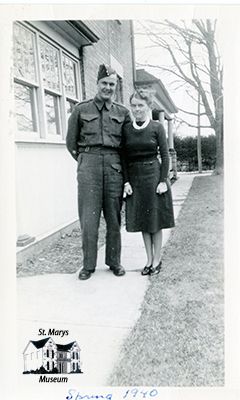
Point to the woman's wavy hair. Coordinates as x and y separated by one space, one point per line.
142 95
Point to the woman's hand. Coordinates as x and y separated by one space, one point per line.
128 189
161 188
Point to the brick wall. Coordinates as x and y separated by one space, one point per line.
126 59
114 40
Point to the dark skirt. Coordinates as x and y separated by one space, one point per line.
147 211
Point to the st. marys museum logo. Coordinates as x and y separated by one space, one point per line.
47 357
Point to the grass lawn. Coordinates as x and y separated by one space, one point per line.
179 338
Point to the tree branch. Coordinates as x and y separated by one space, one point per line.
182 121
193 98
176 63
180 41
161 68
201 90
190 113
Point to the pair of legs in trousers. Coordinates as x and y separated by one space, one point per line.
100 187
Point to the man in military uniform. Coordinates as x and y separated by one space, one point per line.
94 139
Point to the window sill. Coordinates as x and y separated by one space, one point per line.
40 140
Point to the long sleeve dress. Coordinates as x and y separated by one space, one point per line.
146 210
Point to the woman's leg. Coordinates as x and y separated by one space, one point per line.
157 247
147 238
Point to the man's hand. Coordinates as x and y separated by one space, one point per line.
161 188
128 189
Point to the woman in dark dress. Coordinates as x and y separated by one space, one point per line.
147 188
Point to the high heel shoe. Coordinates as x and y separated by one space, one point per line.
155 270
146 270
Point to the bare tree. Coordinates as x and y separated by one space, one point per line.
195 64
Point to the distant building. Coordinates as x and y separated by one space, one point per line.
163 109
51 356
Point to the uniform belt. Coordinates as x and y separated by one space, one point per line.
98 150
144 160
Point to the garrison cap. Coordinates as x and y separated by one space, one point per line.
105 70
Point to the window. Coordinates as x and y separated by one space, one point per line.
52 114
46 85
47 353
69 68
26 81
52 353
24 102
24 54
48 365
70 83
77 356
50 67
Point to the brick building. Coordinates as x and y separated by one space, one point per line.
55 66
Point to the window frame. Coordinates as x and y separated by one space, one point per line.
32 84
22 133
56 105
68 98
39 90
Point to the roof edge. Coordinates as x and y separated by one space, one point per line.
84 29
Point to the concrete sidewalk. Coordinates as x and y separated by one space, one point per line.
98 313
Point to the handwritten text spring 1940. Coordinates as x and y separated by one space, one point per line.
127 394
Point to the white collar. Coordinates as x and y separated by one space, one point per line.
144 125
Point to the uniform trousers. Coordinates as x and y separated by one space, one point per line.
100 188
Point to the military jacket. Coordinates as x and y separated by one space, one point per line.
96 123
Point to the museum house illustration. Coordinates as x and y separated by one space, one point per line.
47 356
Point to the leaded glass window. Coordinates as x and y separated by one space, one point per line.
50 66
46 80
24 53
69 72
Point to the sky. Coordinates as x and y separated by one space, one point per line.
148 53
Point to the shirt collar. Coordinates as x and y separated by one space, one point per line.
100 103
